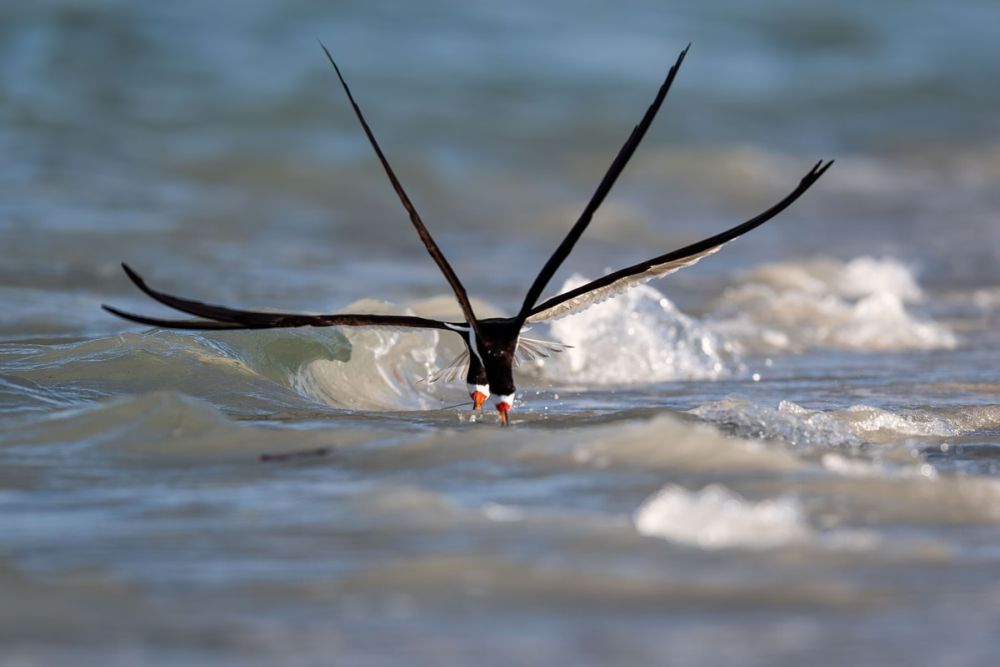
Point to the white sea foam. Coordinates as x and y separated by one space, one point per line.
856 305
872 423
863 304
638 337
717 518
865 469
866 276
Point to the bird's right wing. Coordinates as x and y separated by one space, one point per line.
603 188
613 284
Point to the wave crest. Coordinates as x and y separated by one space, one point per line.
858 305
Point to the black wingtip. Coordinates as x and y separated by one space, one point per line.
329 56
819 169
120 313
680 58
135 278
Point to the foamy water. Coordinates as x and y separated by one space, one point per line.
785 455
716 518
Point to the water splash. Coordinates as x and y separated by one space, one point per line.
639 336
788 422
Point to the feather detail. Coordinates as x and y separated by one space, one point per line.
533 349
583 301
453 371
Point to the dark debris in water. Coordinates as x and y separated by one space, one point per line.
301 455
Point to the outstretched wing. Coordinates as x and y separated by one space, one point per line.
418 223
284 321
220 317
615 283
614 171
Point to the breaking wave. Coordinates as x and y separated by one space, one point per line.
850 427
639 336
860 305
377 368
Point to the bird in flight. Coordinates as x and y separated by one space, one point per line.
493 345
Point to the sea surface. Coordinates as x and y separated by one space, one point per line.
786 455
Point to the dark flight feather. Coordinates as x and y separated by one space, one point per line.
615 283
418 223
614 171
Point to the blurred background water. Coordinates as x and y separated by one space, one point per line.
788 452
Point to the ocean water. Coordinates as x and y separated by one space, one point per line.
788 454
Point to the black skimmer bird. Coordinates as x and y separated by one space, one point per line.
494 345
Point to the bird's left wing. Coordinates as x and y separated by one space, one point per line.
221 317
618 282
418 224
265 320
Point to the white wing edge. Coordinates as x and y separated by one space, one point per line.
620 286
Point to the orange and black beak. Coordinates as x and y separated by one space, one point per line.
478 398
503 409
